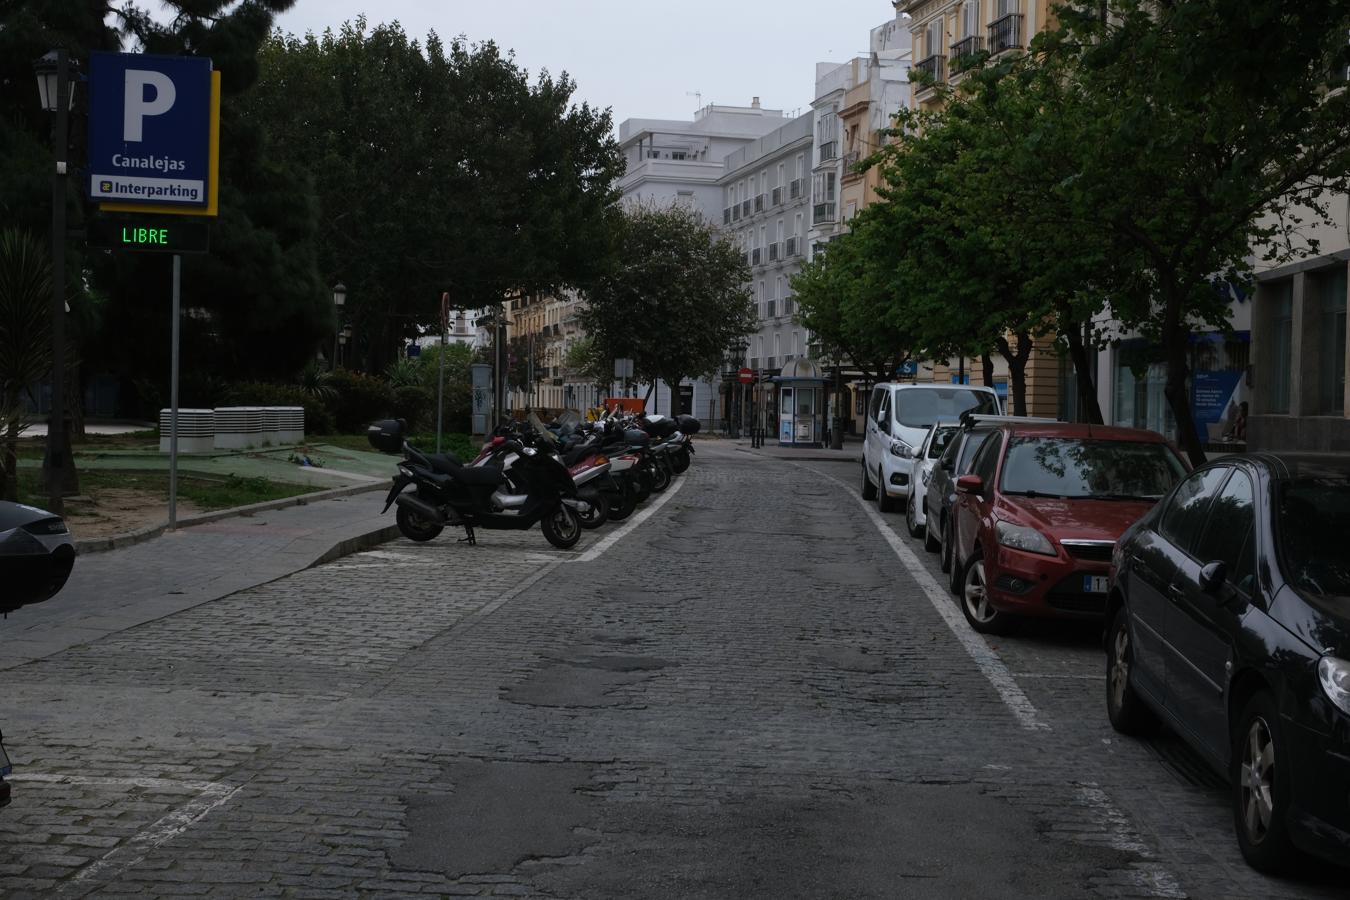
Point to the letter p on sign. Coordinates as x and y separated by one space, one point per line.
137 107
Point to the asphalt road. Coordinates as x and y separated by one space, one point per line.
760 689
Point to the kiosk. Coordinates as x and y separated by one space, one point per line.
801 408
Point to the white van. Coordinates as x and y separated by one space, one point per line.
898 417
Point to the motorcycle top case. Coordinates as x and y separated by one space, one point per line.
386 435
662 428
688 424
637 437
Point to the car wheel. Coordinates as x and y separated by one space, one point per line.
1260 779
1124 708
869 491
979 612
884 501
930 540
911 517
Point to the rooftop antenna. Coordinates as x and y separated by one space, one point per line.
698 95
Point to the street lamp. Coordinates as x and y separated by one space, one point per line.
339 300
736 357
55 83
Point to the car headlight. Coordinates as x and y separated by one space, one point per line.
1021 537
900 449
1334 674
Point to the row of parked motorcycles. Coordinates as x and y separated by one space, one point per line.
567 477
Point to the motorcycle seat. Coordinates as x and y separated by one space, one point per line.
478 475
444 462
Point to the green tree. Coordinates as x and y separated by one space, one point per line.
438 167
1203 135
25 339
677 297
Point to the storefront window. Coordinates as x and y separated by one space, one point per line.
1281 345
1329 294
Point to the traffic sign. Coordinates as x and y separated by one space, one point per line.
153 132
146 235
745 376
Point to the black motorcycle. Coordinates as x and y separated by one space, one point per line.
528 487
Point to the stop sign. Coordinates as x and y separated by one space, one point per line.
745 376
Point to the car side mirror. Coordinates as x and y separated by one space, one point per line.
969 484
1213 576
883 426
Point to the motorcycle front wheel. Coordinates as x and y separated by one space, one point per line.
661 477
414 527
562 527
623 507
681 462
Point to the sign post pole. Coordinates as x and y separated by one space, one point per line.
173 397
440 384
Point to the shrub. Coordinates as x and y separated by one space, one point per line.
360 400
416 404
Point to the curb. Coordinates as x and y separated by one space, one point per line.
366 541
150 532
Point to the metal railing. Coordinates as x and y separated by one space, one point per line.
964 48
795 189
829 150
768 309
851 159
726 216
736 213
935 67
745 207
759 203
777 196
755 255
823 212
1005 33
773 251
794 247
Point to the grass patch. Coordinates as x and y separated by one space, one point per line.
34 447
207 493
461 445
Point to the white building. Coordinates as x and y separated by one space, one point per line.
676 161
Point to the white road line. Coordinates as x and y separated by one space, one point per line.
210 795
1052 675
611 539
985 659
1148 874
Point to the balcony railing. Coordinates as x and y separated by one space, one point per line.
759 202
773 251
755 256
745 207
1005 34
795 189
777 196
935 67
829 150
768 309
851 159
963 49
794 247
726 216
736 213
823 212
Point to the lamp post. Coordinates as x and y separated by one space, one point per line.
56 89
737 350
339 300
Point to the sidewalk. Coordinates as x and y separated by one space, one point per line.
852 452
119 589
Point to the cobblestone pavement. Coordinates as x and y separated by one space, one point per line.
750 695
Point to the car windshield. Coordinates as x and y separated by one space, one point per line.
1314 515
940 441
921 407
1087 468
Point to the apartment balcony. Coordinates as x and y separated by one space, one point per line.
823 212
726 216
736 213
795 189
1005 34
963 50
851 159
745 208
829 150
759 202
935 67
793 247
755 256
773 251
777 196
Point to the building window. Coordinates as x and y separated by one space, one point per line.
778 287
970 19
936 37
1281 345
800 160
780 175
1329 290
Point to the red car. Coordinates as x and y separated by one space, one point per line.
1036 519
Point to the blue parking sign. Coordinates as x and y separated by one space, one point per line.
149 129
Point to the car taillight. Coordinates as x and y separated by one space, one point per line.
51 526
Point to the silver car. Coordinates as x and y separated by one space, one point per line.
36 555
923 458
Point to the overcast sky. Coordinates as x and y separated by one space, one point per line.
642 58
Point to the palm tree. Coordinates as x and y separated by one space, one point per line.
25 340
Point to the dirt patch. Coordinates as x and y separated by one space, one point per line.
114 511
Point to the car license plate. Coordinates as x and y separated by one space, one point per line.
1094 584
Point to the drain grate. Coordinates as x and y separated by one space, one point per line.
1185 764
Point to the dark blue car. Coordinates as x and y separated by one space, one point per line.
1229 620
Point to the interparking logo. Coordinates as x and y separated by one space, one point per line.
105 187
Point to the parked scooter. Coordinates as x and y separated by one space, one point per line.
535 487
